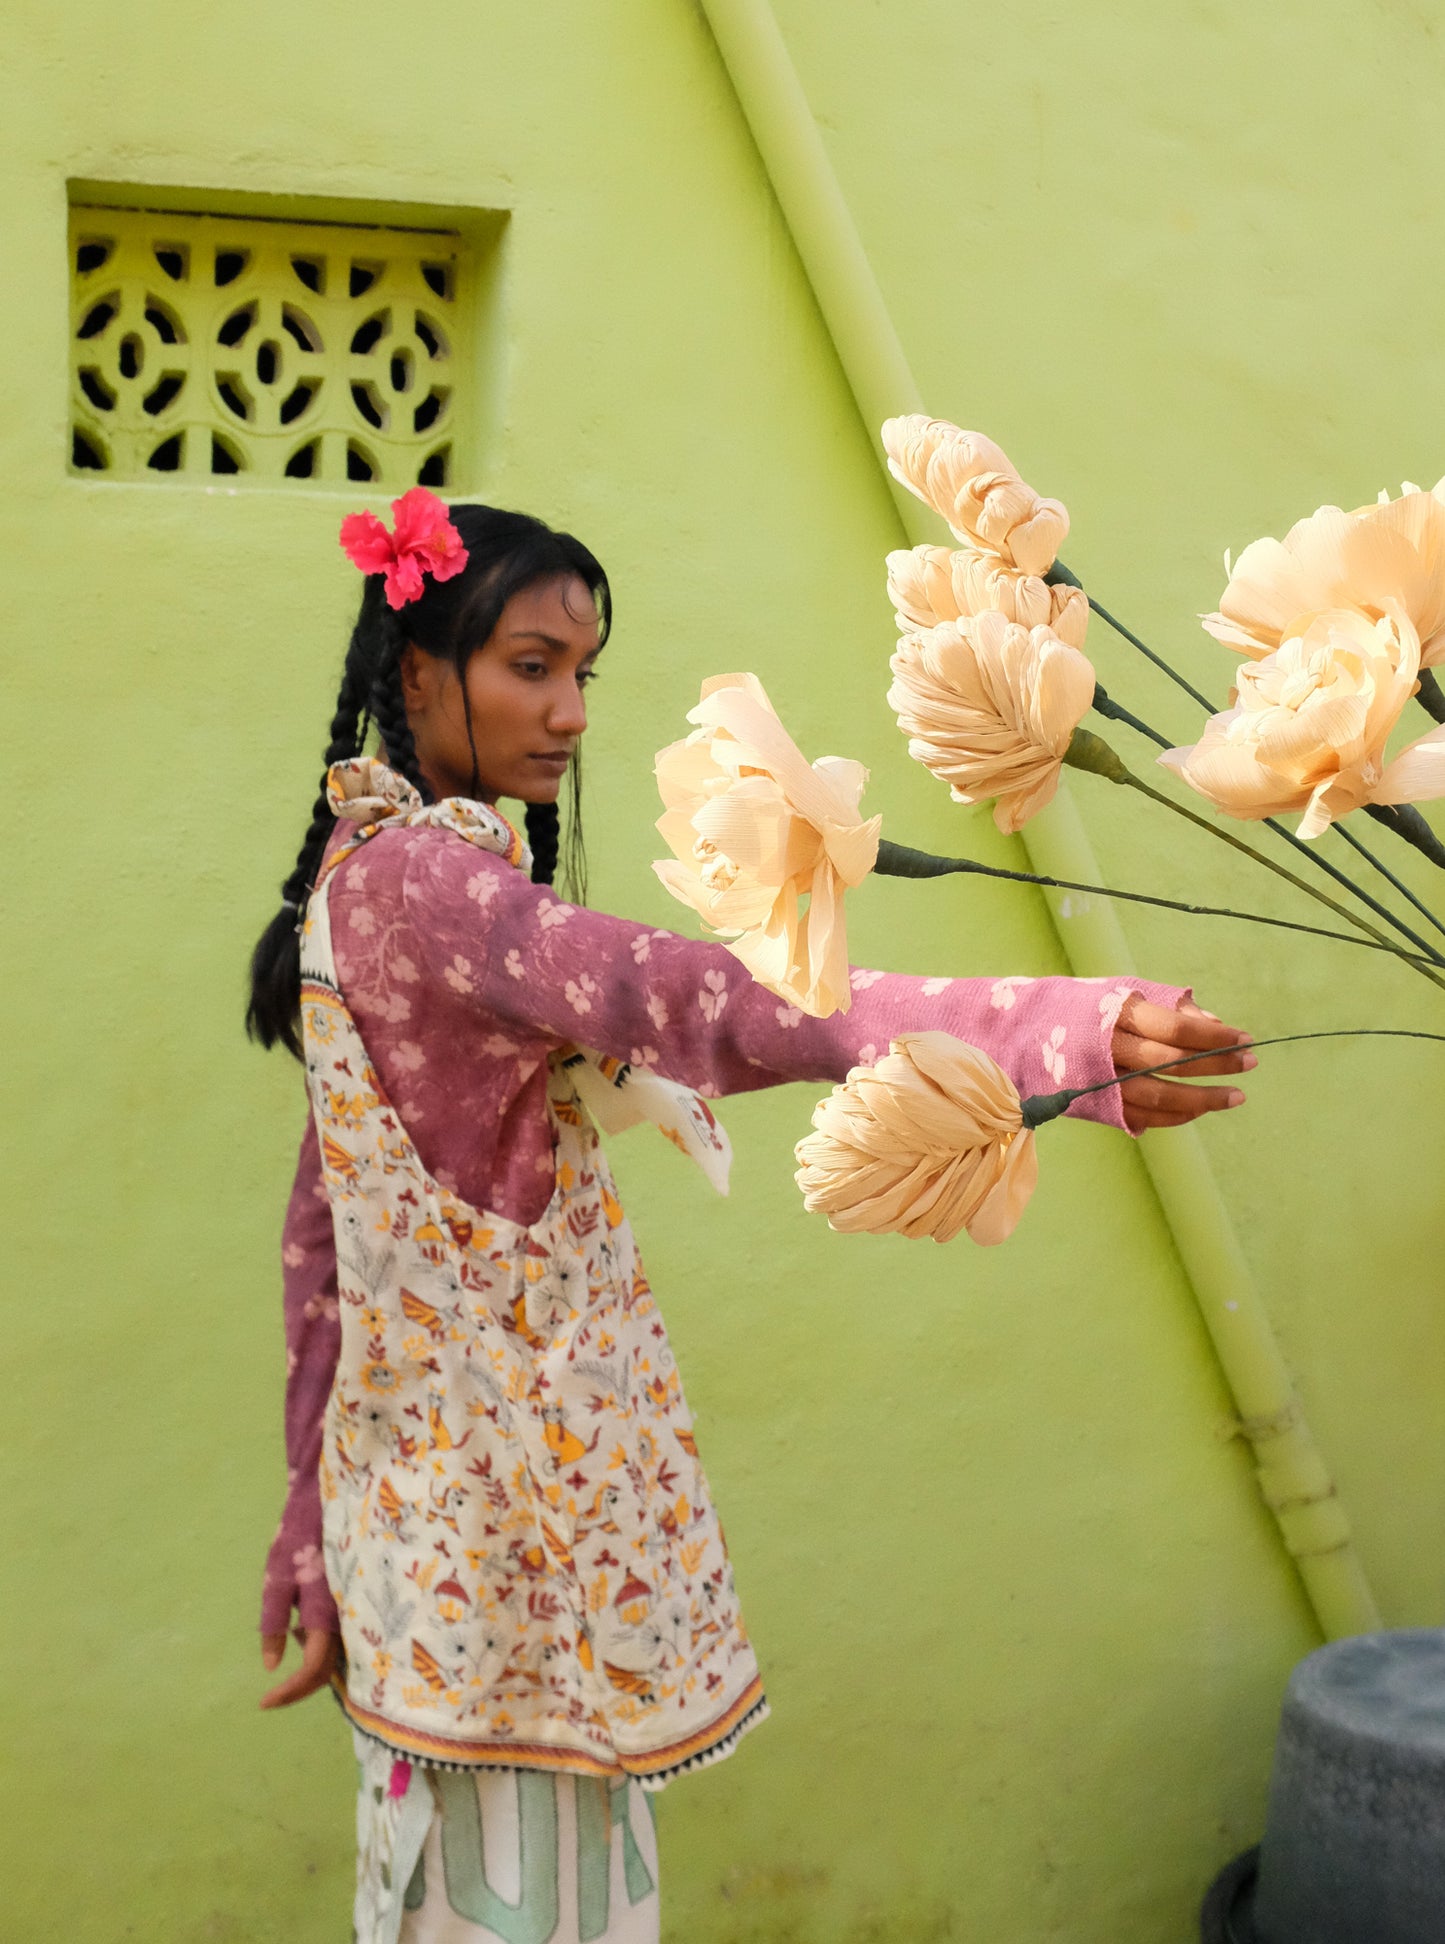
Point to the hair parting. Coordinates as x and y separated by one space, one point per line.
506 552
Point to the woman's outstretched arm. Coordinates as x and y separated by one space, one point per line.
518 954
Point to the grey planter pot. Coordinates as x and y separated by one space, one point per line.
1354 1841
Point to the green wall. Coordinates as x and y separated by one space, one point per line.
1023 1620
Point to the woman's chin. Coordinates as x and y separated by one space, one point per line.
542 784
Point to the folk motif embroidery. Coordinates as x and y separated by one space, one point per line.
518 1532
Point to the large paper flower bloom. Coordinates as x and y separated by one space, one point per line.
969 480
931 584
1385 560
927 1142
990 707
755 828
1310 723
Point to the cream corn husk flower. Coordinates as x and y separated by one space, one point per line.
928 1141
754 829
1310 723
1385 559
931 584
971 482
990 706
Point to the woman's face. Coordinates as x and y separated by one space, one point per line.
524 686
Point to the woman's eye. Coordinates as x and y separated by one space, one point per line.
531 669
588 675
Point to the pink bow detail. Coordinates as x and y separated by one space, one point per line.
423 541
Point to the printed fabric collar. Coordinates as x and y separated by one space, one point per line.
365 792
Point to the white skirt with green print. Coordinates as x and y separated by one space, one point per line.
498 1857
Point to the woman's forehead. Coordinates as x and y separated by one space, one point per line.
562 608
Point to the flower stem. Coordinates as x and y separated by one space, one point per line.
1091 752
1149 655
1039 1108
1105 705
1405 820
902 860
1429 695
1349 837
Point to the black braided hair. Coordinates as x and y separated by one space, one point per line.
544 834
388 712
506 552
272 1013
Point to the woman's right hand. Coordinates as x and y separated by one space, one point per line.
320 1659
1148 1036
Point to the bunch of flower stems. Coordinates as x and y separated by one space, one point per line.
1090 752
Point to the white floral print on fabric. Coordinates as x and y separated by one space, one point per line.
1053 1052
713 995
1003 993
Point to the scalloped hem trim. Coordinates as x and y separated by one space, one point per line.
719 1752
408 1746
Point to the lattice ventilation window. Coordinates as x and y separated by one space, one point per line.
206 346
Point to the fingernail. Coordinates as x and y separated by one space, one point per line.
1210 1015
1236 1098
1250 1060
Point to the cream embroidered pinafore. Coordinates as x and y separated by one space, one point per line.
518 1532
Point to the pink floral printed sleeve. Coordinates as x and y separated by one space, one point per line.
463 976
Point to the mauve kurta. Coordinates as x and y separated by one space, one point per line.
463 976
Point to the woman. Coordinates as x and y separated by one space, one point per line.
519 1585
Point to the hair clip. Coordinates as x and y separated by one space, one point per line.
423 541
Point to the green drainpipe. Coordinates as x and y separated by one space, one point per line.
1293 1479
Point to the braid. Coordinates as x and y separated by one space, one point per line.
544 834
273 1012
388 712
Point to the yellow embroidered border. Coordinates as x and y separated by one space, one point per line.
692 1751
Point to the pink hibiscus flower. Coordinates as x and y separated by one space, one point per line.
423 541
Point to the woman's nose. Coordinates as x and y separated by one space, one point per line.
568 713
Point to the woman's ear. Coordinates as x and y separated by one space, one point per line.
418 680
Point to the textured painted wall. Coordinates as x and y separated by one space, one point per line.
1023 1621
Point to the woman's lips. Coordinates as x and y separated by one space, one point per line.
558 759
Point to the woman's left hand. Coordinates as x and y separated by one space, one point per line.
320 1659
1147 1035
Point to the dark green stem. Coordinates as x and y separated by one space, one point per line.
1348 837
1105 705
1405 820
1088 751
1429 695
1040 1108
902 860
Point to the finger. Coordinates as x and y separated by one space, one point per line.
1187 1030
273 1646
1153 1095
319 1658
1145 1123
1132 1054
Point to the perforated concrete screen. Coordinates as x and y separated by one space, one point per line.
276 352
